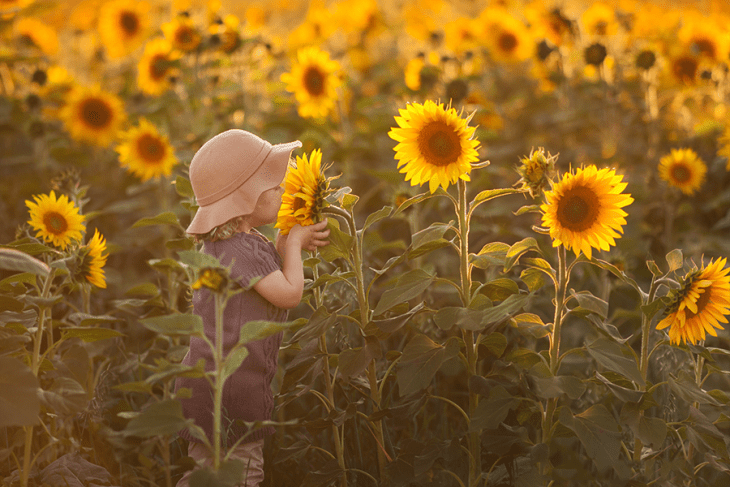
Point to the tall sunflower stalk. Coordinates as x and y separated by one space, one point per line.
437 146
58 222
35 363
329 384
697 306
365 318
582 211
304 203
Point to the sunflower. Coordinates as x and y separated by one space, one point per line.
305 189
683 169
182 33
318 25
314 79
93 115
724 151
38 34
123 26
435 145
462 34
699 305
704 38
56 220
157 66
422 71
684 68
93 259
8 8
226 30
212 278
583 210
536 171
550 24
507 37
599 19
145 152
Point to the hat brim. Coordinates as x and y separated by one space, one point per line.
242 200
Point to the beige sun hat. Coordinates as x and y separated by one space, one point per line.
229 173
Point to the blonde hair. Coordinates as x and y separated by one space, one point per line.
221 232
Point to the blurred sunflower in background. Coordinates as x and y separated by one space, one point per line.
34 32
146 153
683 68
123 26
182 33
422 71
507 37
699 305
462 34
583 210
704 38
93 258
724 142
93 115
157 65
314 79
227 33
8 8
56 220
599 19
549 23
683 169
435 145
305 190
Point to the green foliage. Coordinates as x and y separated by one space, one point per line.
442 338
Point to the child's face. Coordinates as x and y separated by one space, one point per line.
267 206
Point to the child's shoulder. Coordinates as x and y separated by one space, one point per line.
244 242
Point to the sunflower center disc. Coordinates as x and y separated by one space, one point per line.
55 223
298 204
701 303
685 69
184 36
150 149
314 81
158 67
602 28
96 113
439 144
680 173
578 209
704 46
129 23
507 42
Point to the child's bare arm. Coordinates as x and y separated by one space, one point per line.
284 288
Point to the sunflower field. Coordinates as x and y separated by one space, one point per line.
526 282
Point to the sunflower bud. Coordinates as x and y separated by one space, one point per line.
536 171
212 278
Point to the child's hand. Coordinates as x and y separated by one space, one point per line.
311 236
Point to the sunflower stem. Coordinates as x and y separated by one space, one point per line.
35 366
644 359
339 451
218 384
364 320
554 352
475 472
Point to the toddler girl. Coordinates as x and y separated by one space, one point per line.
237 180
